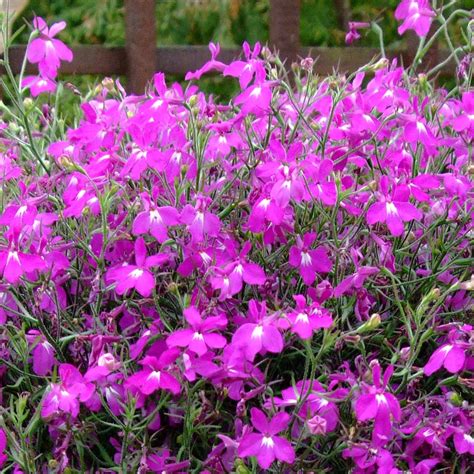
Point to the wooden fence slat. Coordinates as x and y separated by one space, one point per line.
343 12
181 59
285 28
140 37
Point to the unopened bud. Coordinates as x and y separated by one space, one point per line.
405 353
468 285
108 83
317 425
173 288
455 398
380 64
108 361
371 324
28 103
240 467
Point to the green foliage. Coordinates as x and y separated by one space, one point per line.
199 21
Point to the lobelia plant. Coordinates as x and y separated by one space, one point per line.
281 283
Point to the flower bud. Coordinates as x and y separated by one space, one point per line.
371 324
455 398
28 103
317 425
240 467
468 285
109 84
380 64
405 353
108 361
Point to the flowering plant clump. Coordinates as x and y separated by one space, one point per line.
280 283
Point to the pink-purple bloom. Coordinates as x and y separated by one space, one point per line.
46 50
265 445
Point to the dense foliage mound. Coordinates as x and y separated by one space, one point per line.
280 283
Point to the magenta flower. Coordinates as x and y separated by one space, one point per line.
38 85
66 396
245 71
417 15
356 280
155 220
464 443
136 276
259 335
15 264
450 356
229 280
199 221
42 351
464 122
255 99
47 51
377 404
153 376
200 337
16 217
309 261
264 209
353 33
315 407
265 445
306 319
370 458
212 65
394 209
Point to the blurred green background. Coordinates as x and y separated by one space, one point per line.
229 22
199 21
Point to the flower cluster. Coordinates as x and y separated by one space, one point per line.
279 283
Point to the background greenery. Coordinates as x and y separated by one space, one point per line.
229 22
200 21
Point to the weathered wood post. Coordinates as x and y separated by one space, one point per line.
140 37
343 12
285 28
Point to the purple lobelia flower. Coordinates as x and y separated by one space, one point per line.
42 351
259 335
377 404
212 65
353 33
136 276
65 397
370 458
265 445
307 318
155 220
417 15
309 261
464 443
38 85
199 221
46 50
393 208
245 71
200 337
229 280
14 264
153 376
450 356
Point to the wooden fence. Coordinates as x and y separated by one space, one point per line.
140 57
